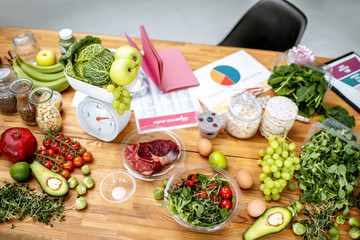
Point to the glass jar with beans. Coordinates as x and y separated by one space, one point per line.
48 116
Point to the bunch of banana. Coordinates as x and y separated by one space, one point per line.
42 76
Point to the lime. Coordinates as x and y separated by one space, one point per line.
218 159
20 171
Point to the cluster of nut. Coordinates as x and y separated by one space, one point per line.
48 118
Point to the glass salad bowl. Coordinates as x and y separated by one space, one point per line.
209 171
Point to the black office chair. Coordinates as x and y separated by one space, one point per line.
270 24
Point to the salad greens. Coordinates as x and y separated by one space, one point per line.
305 86
199 203
330 170
88 61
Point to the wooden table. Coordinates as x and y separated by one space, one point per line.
143 217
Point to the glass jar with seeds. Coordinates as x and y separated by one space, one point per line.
7 99
47 115
244 115
21 89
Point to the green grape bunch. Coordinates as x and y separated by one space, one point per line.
279 163
122 98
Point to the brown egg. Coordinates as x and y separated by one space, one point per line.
204 147
256 208
244 179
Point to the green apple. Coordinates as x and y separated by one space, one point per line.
123 71
130 52
45 58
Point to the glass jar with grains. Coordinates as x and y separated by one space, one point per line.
244 115
47 115
7 99
21 89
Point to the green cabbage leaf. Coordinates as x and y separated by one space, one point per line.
88 61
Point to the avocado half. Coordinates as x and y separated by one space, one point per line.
274 220
52 183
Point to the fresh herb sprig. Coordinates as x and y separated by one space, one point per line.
19 200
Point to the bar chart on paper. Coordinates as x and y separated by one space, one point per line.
225 75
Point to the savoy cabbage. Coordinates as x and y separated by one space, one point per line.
88 61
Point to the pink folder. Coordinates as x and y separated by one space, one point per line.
168 68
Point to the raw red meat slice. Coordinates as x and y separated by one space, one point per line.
148 158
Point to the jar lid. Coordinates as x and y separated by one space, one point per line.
65 34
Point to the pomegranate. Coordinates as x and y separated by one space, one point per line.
17 144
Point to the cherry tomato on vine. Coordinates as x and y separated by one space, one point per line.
69 157
87 156
65 173
78 162
51 152
43 152
48 164
81 151
55 168
55 145
59 136
59 159
68 165
76 145
225 192
47 143
225 204
68 140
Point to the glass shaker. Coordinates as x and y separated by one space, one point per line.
244 115
7 99
21 89
47 115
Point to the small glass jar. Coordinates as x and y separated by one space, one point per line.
244 115
66 40
47 115
21 89
7 99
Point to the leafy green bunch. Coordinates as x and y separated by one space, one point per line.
88 61
305 86
329 169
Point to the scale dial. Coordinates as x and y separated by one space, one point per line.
100 120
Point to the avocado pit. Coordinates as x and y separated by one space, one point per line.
275 219
54 183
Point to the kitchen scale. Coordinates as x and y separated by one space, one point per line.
95 113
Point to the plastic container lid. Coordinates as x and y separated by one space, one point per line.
65 34
337 129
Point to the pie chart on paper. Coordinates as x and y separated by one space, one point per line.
225 75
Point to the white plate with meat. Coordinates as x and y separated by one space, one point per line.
152 156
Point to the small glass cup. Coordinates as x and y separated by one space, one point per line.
21 88
47 115
25 45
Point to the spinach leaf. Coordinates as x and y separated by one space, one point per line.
339 114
